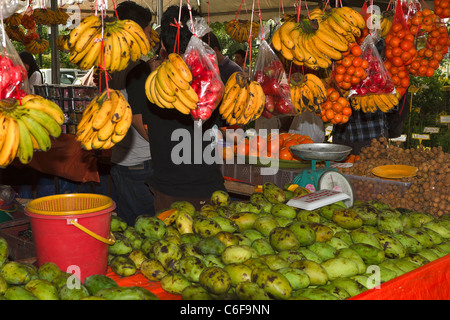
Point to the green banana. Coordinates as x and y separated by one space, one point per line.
46 121
38 132
25 153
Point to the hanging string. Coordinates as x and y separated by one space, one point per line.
190 15
239 11
299 10
176 45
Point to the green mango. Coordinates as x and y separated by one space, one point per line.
238 254
347 218
303 232
75 293
282 238
435 237
147 246
220 198
118 224
61 280
190 238
389 212
19 293
310 255
418 219
354 256
351 286
183 205
243 240
387 274
121 246
273 282
392 247
368 213
3 286
273 193
265 224
405 265
323 232
137 256
390 224
262 247
333 226
340 267
406 221
428 254
212 260
238 272
438 227
174 283
315 294
371 229
48 271
168 253
227 238
191 267
283 221
97 282
258 199
308 216
327 211
153 270
150 227
410 244
244 220
215 280
297 278
205 227
389 264
338 292
420 235
195 292
148 295
134 237
380 205
362 236
291 255
247 290
4 251
253 234
123 266
369 254
42 289
344 236
337 243
316 273
274 261
121 293
283 210
362 279
92 298
440 253
416 258
16 273
226 224
255 263
241 206
445 246
210 245
323 250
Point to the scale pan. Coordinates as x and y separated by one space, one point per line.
321 151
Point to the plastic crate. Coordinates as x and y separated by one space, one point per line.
366 188
18 234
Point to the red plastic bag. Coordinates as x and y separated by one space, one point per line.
13 75
270 73
202 61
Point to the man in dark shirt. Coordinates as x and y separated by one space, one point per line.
181 170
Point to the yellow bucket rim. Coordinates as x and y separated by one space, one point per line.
33 205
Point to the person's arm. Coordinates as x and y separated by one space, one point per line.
138 124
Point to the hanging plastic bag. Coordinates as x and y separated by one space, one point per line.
270 73
309 124
8 8
13 75
202 61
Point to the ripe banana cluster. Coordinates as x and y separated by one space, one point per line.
61 43
243 100
168 86
123 40
239 30
374 102
37 46
307 93
26 126
105 121
48 17
14 20
154 38
386 24
14 32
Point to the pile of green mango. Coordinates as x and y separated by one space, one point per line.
265 249
24 281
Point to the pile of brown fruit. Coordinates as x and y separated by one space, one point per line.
428 191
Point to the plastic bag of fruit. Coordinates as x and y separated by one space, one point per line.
377 80
13 75
202 61
270 73
8 8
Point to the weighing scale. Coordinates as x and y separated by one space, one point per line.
326 178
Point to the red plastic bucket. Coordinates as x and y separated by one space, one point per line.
72 231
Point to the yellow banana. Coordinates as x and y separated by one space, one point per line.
87 36
175 76
276 40
286 52
90 59
3 128
84 25
354 16
329 36
11 144
123 125
229 99
180 106
138 34
336 27
96 142
116 53
253 98
340 21
297 50
148 84
107 56
188 97
104 113
125 51
162 93
105 131
163 78
181 66
326 49
49 107
285 31
120 103
240 102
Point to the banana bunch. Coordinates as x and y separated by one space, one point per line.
239 30
386 23
374 102
14 20
105 121
243 100
44 16
304 44
123 40
37 46
61 16
168 86
14 32
307 92
26 126
61 43
344 21
154 38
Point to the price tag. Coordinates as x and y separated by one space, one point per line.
445 119
402 138
431 130
421 136
328 130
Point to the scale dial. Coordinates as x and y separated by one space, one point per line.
333 180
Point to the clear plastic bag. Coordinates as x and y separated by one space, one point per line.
270 73
8 8
202 61
309 124
13 75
